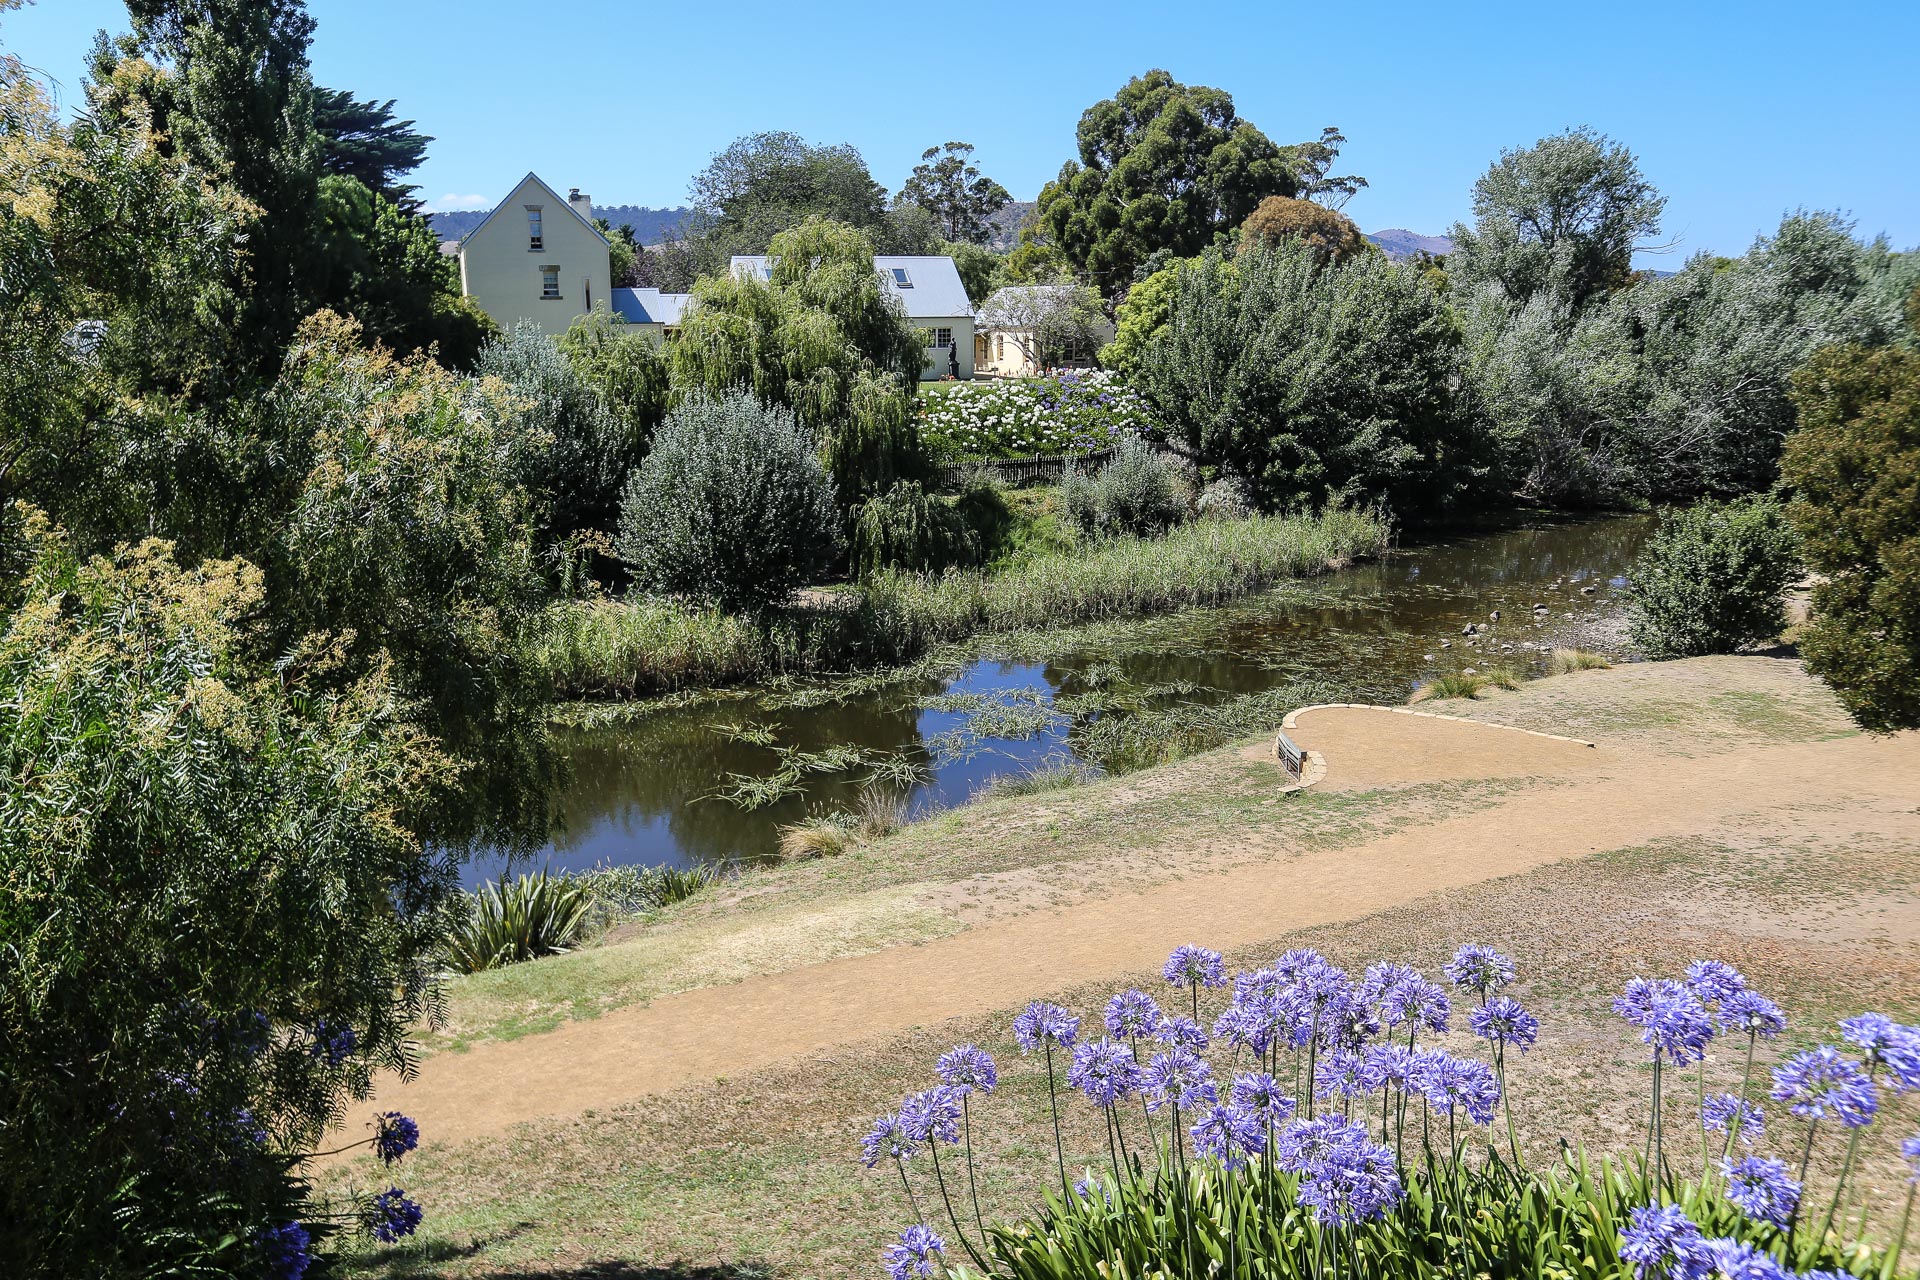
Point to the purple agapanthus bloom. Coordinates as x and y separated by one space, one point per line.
917 1254
1752 1013
1041 1023
1178 1078
1427 1071
331 1042
1349 1024
393 1136
1887 1043
1662 1241
394 1215
1355 1182
1194 966
932 1115
887 1140
287 1249
1379 979
1479 968
1911 1150
1296 962
1338 1075
1229 1135
1304 1145
1182 1031
1504 1022
1104 1070
1087 1186
1133 1015
1257 1093
1245 1026
1820 1084
1466 1083
1762 1187
1712 981
1426 1003
1388 1064
1670 1018
967 1068
1256 984
1720 1111
1736 1260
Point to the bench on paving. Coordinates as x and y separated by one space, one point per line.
1289 753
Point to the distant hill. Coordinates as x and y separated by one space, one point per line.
1006 223
1399 243
651 225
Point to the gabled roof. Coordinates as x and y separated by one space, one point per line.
534 178
936 292
650 306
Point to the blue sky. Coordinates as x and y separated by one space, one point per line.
1739 112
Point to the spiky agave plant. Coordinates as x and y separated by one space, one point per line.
511 921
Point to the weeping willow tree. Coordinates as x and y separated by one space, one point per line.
823 337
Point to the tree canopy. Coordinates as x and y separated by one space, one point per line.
1162 166
949 185
359 138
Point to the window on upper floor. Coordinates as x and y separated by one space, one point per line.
901 278
534 241
549 282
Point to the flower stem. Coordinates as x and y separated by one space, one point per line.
973 1189
933 1145
1053 1102
918 1217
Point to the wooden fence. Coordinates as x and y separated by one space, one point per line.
1041 468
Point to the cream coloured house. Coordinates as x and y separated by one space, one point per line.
537 257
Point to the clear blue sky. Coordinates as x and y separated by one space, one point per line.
1739 112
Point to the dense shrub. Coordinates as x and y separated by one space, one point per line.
732 507
1314 383
1071 412
1139 491
517 920
1710 579
217 925
1854 468
1331 233
908 528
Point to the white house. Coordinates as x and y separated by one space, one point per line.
930 291
1023 330
539 257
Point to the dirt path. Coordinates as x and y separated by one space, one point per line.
1601 799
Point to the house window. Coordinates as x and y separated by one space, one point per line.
534 242
901 278
943 337
999 346
549 282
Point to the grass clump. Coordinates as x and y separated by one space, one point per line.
1467 684
1049 775
821 836
512 921
1563 662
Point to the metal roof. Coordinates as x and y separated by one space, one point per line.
650 306
935 294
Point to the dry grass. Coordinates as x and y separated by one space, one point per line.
1467 684
826 837
1563 662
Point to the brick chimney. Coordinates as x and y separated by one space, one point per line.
582 205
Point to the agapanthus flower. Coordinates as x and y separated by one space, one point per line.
1040 1023
1662 1241
393 1136
1245 1026
1821 1083
1426 1003
1427 1070
932 1115
1293 963
331 1042
1178 1078
1255 984
1182 1031
1752 1013
1911 1150
1338 1075
1349 1024
1259 1094
1712 981
1104 1070
918 1253
1720 1111
1087 1186
1381 978
1133 1015
887 1140
288 1250
1229 1135
1466 1083
1479 968
1762 1187
394 1215
1194 966
1321 985
245 1128
1670 1018
1387 1064
1305 1144
1728 1259
1887 1043
1503 1021
967 1068
1355 1182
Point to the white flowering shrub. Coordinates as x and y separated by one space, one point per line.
1073 412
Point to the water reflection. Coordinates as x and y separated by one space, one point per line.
643 793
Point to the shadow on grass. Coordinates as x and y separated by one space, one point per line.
429 1258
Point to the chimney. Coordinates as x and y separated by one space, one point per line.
582 205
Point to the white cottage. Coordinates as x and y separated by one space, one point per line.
930 292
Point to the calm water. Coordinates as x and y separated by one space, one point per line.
643 792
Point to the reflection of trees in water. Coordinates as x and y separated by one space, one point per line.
659 767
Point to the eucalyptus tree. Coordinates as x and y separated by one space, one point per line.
949 184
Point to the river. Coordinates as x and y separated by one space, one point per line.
646 790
